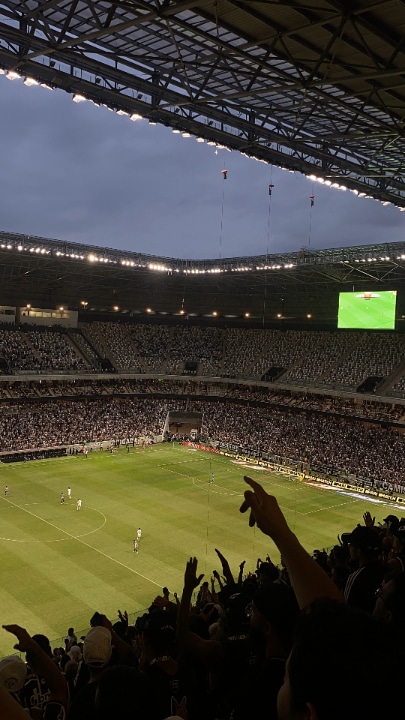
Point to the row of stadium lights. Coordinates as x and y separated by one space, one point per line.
92 258
78 98
116 308
149 310
358 193
158 267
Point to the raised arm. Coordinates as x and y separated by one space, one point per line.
41 663
241 569
226 570
307 577
206 650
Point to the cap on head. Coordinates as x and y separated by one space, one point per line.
13 673
97 648
365 538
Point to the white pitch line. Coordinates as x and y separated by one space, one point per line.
72 537
332 507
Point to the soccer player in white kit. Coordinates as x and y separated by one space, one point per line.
78 505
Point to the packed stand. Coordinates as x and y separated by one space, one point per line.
67 423
151 342
242 348
377 455
377 355
85 348
196 344
17 351
323 352
398 389
55 352
114 341
285 350
40 351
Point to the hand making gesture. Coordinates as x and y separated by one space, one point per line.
191 581
264 510
25 640
226 570
308 579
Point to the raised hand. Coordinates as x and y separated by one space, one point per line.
24 638
264 510
225 567
191 581
123 616
368 520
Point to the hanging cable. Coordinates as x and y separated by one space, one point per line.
270 188
311 205
224 177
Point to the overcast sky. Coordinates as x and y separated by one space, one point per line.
80 173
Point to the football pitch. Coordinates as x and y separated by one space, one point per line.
59 565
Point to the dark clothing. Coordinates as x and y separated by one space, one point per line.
176 690
362 584
82 705
259 690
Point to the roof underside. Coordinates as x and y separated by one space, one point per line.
50 273
315 86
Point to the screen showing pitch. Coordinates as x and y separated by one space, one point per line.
367 310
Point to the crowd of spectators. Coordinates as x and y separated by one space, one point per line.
58 423
375 355
253 394
196 344
262 642
113 340
376 455
86 349
152 344
40 351
334 360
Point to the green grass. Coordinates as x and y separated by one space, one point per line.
58 565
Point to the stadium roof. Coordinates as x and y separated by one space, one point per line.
50 273
313 85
